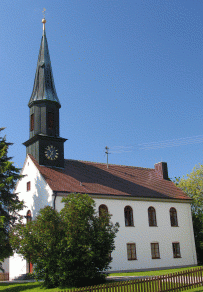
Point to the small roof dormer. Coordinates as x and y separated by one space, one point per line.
44 88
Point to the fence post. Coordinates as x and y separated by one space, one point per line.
159 284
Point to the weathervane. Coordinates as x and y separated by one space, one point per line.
44 20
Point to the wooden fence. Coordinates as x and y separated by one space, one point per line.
168 283
4 276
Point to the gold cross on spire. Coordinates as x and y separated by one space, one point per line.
44 20
44 12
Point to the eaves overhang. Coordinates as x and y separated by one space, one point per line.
43 137
127 197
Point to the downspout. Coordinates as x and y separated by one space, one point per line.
194 252
55 195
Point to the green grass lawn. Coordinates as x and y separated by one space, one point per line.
199 289
25 287
37 286
152 273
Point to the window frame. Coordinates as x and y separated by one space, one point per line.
28 186
155 253
32 122
103 208
152 217
50 121
29 216
173 217
176 250
128 216
131 251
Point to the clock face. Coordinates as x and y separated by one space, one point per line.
51 152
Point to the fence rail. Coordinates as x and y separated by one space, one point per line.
176 282
4 276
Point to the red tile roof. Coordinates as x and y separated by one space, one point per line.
96 178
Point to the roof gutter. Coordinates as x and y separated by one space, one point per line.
126 197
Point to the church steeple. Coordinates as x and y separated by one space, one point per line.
44 88
45 144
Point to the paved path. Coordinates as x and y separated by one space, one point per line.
125 278
17 281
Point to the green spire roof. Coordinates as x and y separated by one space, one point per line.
44 88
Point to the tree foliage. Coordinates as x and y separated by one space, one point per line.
70 247
3 243
10 204
192 185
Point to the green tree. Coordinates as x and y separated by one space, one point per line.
70 247
2 242
38 242
192 185
10 204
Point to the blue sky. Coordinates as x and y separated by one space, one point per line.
128 74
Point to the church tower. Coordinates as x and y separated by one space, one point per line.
45 143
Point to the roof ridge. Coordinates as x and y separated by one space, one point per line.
113 164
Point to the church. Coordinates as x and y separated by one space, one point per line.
155 219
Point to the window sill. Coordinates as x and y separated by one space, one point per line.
156 258
132 259
174 226
129 226
153 226
178 257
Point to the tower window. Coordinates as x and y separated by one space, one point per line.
32 122
50 120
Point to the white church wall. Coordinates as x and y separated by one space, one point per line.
39 196
143 235
17 266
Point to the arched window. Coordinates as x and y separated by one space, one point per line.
173 217
102 208
29 216
152 216
128 212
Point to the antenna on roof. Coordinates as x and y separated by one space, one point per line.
107 153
